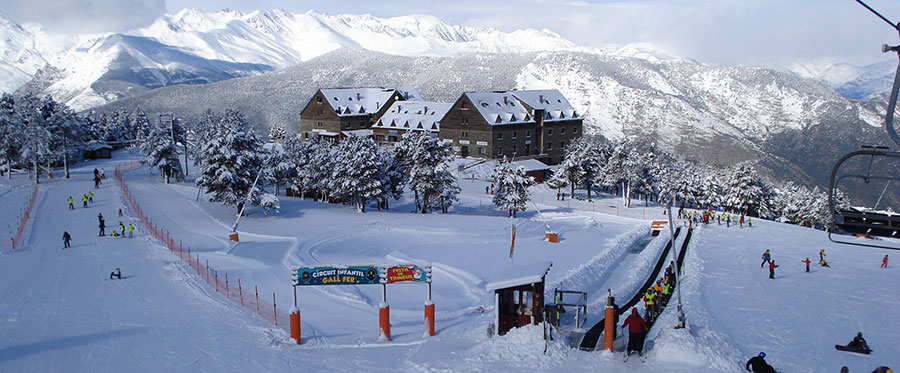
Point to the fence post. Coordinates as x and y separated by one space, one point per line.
256 288
275 308
241 292
227 290
217 280
207 271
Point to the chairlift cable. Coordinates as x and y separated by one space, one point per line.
894 25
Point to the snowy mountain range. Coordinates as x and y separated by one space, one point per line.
192 47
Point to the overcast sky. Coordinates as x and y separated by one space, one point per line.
745 32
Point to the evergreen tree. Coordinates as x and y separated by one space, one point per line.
10 132
357 171
743 189
232 159
277 133
68 135
512 187
162 152
35 135
427 159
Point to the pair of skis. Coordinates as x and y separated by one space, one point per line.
628 355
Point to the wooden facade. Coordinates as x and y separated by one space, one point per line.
331 111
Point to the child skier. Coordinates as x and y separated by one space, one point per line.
66 239
122 228
130 230
807 263
84 200
884 262
766 257
821 256
71 206
90 197
116 274
772 267
102 227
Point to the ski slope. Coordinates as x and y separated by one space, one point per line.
61 314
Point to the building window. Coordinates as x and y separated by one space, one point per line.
575 130
499 136
347 126
392 138
481 150
549 131
465 121
549 146
319 99
562 144
514 136
465 134
465 106
379 137
306 135
319 111
500 151
319 124
514 151
527 134
562 131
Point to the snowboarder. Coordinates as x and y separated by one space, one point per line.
759 364
884 262
821 256
90 197
859 343
84 200
102 227
130 230
636 329
66 239
71 206
772 267
116 274
807 263
766 257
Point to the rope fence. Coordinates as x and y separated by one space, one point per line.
16 239
220 283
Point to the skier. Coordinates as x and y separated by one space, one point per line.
636 329
807 263
102 174
84 200
120 212
130 230
71 206
821 256
90 197
825 263
487 189
96 181
122 228
648 304
102 227
772 267
116 274
766 257
742 220
749 222
759 364
884 262
66 239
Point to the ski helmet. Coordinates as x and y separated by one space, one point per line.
762 354
859 334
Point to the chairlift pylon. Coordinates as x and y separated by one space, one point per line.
864 222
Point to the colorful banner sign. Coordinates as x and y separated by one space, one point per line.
407 273
353 275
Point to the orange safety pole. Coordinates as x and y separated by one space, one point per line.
384 320
429 318
295 324
609 323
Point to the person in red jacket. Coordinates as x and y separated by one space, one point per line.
772 267
884 262
807 264
636 330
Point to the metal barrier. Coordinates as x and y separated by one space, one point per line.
221 285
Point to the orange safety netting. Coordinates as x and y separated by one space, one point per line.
232 290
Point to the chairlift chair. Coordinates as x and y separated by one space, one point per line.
869 222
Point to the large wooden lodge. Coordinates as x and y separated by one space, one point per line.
535 124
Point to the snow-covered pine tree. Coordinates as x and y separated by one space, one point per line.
10 129
595 156
512 187
68 134
356 173
269 201
280 168
569 170
277 133
200 134
161 151
232 159
427 159
395 176
743 189
446 189
35 146
318 171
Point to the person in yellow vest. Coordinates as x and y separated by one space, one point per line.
130 230
90 197
649 303
84 200
666 289
122 228
71 206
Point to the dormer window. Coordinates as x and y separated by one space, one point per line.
465 121
319 99
465 106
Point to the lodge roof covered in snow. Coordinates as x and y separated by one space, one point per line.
512 107
364 101
520 275
414 116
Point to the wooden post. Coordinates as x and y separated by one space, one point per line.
241 292
256 288
275 309
227 292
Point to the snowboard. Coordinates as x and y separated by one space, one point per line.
848 349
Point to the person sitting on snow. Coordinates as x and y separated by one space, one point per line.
117 274
759 364
858 343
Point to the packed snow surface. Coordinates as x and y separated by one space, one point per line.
61 313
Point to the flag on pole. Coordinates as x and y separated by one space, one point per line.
512 246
